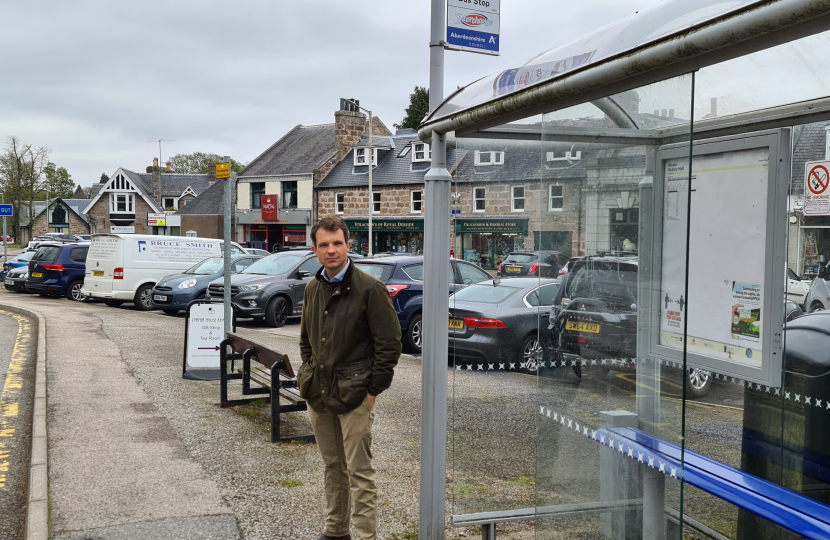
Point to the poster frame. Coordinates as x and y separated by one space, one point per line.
774 283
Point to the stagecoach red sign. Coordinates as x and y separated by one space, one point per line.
269 208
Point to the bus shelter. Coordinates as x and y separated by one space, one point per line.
663 384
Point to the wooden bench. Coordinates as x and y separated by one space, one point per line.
273 378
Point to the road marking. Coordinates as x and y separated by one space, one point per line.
9 405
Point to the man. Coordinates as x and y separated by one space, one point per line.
350 342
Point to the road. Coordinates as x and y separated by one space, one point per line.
16 395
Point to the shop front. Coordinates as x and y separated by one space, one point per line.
269 232
487 242
398 235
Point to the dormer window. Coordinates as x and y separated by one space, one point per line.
360 155
569 156
421 152
489 158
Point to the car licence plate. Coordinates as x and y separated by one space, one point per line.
514 268
456 324
37 274
160 297
8 282
591 328
97 273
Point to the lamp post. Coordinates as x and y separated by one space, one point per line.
371 158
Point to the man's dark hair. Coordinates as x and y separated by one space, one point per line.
331 224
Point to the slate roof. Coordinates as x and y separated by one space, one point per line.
392 168
209 202
300 151
76 205
172 184
808 145
93 191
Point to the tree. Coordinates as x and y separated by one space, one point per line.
417 110
58 183
104 178
21 176
197 163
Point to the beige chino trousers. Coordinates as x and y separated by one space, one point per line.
345 443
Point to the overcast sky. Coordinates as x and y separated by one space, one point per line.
93 80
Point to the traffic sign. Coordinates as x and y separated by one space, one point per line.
473 26
6 210
223 170
816 194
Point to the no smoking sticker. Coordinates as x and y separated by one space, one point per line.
816 194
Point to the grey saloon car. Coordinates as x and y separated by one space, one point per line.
175 292
498 321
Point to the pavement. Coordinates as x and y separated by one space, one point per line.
116 468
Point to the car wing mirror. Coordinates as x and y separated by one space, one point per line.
302 274
822 272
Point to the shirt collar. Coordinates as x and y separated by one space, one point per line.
339 277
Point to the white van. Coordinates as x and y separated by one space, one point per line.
125 267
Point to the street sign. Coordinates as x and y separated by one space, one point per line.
816 194
223 170
473 26
6 210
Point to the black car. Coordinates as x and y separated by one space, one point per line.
272 288
594 317
15 279
498 321
175 292
403 275
532 263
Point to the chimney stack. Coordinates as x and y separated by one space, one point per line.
349 125
211 174
157 182
169 167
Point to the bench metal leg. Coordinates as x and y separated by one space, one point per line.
488 531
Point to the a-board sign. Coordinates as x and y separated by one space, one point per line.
816 191
205 331
223 170
473 25
729 315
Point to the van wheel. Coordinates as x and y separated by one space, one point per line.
276 314
414 337
144 298
73 292
113 303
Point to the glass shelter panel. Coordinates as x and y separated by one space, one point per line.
609 413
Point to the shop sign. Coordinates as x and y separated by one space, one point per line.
386 225
269 208
510 226
115 229
158 220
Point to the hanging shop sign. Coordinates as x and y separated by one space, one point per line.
269 208
502 226
385 225
473 26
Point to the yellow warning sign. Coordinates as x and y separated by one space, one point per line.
223 170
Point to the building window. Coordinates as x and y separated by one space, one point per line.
415 201
517 198
489 158
376 202
289 194
360 156
556 198
569 156
169 203
479 199
257 191
339 203
122 203
420 152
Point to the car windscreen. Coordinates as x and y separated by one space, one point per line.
380 271
520 258
273 265
47 253
485 294
611 282
207 267
25 257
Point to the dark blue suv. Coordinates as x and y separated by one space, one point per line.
58 270
403 275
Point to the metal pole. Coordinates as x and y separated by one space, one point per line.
371 196
229 184
5 252
436 305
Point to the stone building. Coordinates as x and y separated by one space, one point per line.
63 216
131 202
275 191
